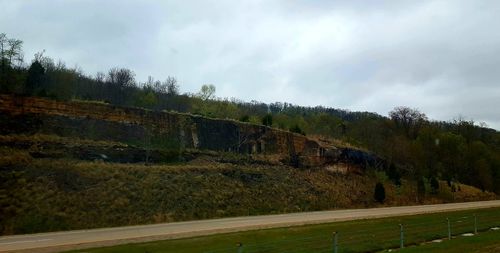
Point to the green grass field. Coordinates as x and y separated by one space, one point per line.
353 236
485 242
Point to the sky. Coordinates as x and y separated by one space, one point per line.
441 57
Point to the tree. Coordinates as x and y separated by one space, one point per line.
379 194
409 119
394 175
10 51
173 87
434 185
100 77
35 77
11 59
483 173
267 120
121 83
3 46
207 91
121 77
14 52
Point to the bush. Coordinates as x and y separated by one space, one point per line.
267 120
245 118
434 185
297 129
394 175
379 194
421 189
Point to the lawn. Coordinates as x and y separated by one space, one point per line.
353 236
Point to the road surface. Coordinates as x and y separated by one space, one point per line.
78 239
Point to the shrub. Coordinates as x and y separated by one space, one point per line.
394 175
379 194
421 189
434 185
297 129
267 120
245 118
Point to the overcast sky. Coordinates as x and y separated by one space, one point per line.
442 57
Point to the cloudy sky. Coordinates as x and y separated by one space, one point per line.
442 57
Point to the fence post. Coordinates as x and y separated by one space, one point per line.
449 228
475 224
240 247
335 241
401 236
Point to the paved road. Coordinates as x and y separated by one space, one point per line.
58 241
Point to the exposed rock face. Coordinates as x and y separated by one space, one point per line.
165 130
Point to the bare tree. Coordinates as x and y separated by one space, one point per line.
410 119
100 77
121 83
158 86
149 84
172 86
10 51
121 77
3 46
14 52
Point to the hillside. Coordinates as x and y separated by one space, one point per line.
74 165
80 151
413 146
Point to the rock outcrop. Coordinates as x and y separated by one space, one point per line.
166 131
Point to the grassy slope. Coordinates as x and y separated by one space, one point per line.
59 194
38 195
354 236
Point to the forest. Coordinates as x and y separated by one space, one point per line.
415 147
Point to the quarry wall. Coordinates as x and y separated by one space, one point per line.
163 130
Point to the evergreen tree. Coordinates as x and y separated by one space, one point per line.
35 77
379 193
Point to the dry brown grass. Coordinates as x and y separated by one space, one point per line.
58 194
329 141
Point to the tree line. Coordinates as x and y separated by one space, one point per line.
414 146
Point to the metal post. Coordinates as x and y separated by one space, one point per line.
335 241
475 224
401 236
240 247
449 229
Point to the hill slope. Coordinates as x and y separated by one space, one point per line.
74 165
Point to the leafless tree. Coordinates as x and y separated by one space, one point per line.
10 51
14 52
121 77
410 119
172 86
100 77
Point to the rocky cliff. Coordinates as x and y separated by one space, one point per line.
166 131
